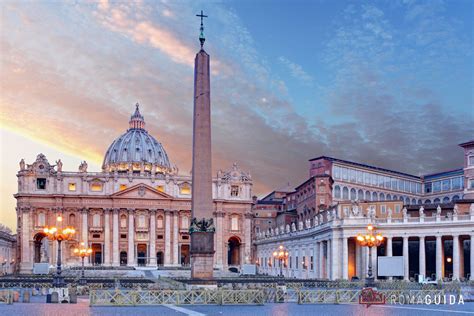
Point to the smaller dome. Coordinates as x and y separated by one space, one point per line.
136 150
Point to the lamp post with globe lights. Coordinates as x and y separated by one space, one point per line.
60 234
281 255
83 252
370 239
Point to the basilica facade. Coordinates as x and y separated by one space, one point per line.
135 212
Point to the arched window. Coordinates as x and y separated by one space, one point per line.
413 201
96 220
141 221
407 200
446 199
337 192
436 201
420 202
41 219
184 222
389 197
382 197
72 220
353 194
159 222
374 196
455 198
123 221
360 194
395 197
345 193
367 195
427 201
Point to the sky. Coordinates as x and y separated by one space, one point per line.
387 83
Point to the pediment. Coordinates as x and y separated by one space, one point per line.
142 191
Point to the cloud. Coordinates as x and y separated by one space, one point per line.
296 70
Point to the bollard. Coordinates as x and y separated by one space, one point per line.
73 298
26 296
55 297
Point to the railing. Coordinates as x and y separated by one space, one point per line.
175 297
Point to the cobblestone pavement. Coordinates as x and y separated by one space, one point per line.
37 307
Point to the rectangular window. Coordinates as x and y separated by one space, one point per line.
123 236
380 181
303 263
41 183
96 187
437 186
394 183
366 178
446 185
413 187
312 265
234 191
344 173
353 175
471 184
471 161
234 223
289 259
418 188
337 172
72 187
407 186
296 263
456 183
428 187
373 178
400 185
383 209
397 208
360 176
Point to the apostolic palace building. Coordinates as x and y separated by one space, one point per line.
135 212
428 221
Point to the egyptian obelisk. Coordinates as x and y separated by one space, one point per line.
202 226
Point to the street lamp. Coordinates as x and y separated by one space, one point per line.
281 255
370 240
83 252
59 234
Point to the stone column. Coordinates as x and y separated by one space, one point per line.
374 262
115 238
345 259
248 238
316 260
219 242
175 238
389 247
439 257
329 267
422 257
107 237
26 262
456 257
472 258
152 239
321 260
131 238
167 237
85 231
406 267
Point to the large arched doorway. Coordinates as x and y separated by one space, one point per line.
123 258
141 254
96 254
159 258
233 254
184 255
41 248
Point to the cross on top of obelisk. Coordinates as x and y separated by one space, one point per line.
202 39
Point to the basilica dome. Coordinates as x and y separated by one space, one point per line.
136 150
